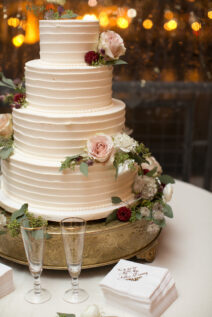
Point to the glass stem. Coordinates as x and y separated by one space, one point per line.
37 286
75 285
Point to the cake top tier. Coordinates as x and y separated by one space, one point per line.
67 41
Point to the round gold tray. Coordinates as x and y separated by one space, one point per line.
104 245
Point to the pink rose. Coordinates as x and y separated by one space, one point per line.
111 45
6 126
100 147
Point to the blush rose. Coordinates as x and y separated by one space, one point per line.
111 45
100 147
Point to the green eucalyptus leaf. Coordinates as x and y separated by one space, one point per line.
160 223
167 210
7 81
152 172
6 152
166 179
84 168
116 62
19 213
111 217
116 200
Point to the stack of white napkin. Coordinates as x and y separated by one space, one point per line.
6 280
138 289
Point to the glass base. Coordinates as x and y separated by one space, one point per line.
71 297
33 298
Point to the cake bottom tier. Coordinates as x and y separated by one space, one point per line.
55 195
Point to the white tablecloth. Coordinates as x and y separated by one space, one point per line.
185 249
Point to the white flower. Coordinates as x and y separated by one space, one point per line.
152 228
167 192
158 215
125 143
3 220
59 2
111 45
91 311
152 163
145 186
123 168
145 212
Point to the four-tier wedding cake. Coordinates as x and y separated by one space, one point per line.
68 103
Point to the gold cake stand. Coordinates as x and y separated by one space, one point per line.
104 245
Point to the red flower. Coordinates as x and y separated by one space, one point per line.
18 97
91 57
124 214
145 171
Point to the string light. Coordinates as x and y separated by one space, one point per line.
196 26
92 3
210 14
103 19
170 25
14 22
147 24
132 13
122 23
168 14
18 40
90 17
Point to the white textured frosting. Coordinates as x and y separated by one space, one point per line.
68 88
67 41
67 102
53 136
43 186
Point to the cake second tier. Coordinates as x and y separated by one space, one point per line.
68 88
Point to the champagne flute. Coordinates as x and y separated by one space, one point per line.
73 232
33 239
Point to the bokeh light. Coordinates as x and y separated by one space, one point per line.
132 13
122 23
170 25
92 3
210 14
90 17
147 24
14 22
103 19
196 26
168 14
18 40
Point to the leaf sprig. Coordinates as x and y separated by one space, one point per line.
30 220
83 161
6 147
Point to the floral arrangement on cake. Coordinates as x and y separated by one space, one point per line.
110 48
52 10
151 189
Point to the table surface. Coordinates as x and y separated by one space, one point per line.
184 248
